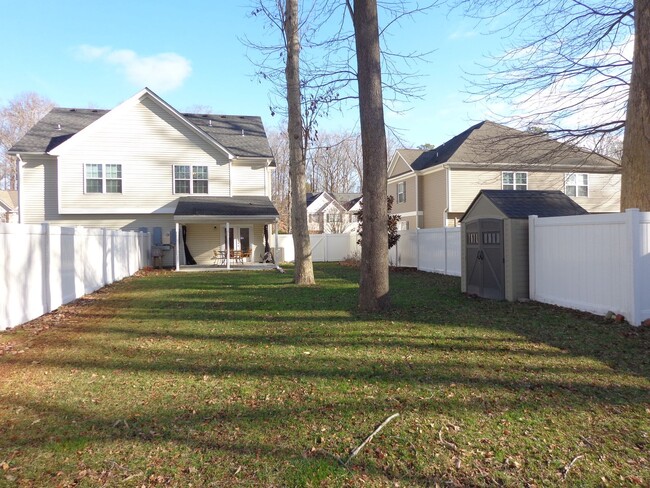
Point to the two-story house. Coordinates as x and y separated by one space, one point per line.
332 213
200 180
434 188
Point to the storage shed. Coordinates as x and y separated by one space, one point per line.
494 239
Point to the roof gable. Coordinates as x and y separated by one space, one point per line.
402 160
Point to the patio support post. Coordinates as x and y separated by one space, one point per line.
227 245
178 247
276 226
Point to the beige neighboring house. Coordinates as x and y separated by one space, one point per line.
200 180
8 206
434 188
332 213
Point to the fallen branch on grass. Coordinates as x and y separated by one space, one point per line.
369 438
565 469
450 445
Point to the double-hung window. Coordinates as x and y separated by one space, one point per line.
514 180
577 185
103 178
190 179
401 192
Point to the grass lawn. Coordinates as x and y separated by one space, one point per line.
222 379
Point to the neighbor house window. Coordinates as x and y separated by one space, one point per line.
190 179
401 192
103 178
332 218
514 180
577 185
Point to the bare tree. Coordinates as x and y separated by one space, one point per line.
281 185
569 72
304 269
16 118
373 282
635 184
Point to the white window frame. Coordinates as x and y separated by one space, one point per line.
574 176
191 179
401 192
103 178
514 183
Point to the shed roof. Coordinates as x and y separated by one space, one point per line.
519 204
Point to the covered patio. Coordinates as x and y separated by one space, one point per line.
225 233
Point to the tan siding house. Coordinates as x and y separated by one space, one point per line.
441 183
131 168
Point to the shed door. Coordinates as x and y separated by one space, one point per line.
484 253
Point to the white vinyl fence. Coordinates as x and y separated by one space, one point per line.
45 266
594 263
434 250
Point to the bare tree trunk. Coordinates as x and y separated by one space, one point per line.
635 184
373 283
304 270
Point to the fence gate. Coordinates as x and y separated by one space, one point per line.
484 258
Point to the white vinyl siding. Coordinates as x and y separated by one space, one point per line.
147 142
248 180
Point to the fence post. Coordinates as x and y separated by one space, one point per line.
47 268
633 232
417 247
532 271
446 244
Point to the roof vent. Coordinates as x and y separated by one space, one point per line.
242 132
210 122
58 126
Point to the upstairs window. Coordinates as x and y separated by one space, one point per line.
113 178
103 178
577 185
190 179
401 192
94 178
514 180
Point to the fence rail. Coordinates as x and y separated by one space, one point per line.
45 266
435 250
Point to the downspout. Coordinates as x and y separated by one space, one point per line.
417 201
18 185
447 194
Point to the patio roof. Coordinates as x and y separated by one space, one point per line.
241 208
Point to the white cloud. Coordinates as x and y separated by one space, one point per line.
162 72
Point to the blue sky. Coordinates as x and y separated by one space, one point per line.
97 54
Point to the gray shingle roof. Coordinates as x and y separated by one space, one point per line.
243 136
491 144
519 204
226 206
